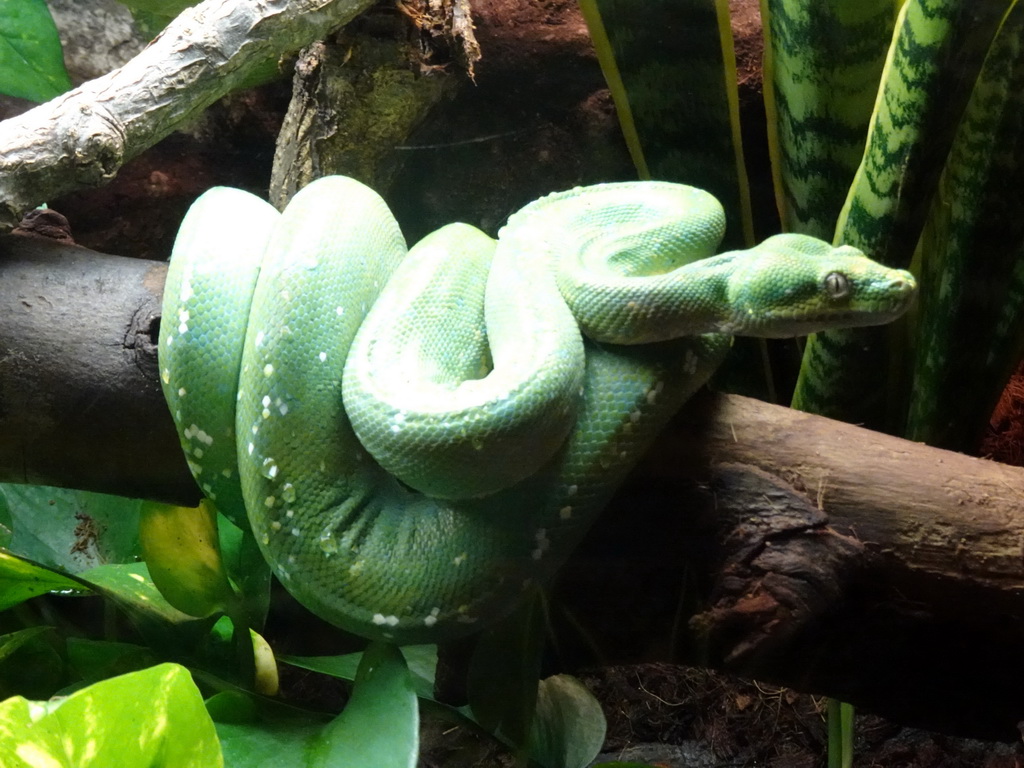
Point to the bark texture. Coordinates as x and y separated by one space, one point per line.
80 401
82 138
791 548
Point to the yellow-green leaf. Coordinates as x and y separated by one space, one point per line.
182 549
149 719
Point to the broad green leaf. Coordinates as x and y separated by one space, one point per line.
71 530
149 719
379 727
31 662
504 673
31 59
568 726
232 707
257 732
94 660
10 643
421 660
267 745
21 580
161 624
181 548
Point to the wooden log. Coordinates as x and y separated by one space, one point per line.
80 401
788 547
752 538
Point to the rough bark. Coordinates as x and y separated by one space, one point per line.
83 137
80 402
791 548
809 552
386 102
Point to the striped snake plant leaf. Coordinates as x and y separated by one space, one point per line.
971 322
933 62
671 70
822 66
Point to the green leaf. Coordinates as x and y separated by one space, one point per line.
819 97
971 323
94 660
21 580
31 662
379 728
247 570
232 707
267 745
132 587
31 59
181 547
6 522
840 734
568 726
860 375
671 69
148 719
504 673
162 625
274 746
421 660
257 732
71 530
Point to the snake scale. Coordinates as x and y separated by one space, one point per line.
416 436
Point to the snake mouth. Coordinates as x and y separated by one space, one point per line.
783 324
898 295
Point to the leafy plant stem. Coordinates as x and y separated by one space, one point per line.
840 734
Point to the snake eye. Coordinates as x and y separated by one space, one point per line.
837 285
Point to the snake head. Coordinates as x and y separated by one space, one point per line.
793 285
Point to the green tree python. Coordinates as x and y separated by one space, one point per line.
417 436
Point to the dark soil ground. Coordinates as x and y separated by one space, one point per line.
538 119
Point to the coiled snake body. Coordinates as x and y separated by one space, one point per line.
415 438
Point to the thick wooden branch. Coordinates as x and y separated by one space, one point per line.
752 538
80 402
83 137
820 555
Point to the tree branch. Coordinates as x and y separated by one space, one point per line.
80 401
792 548
82 138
